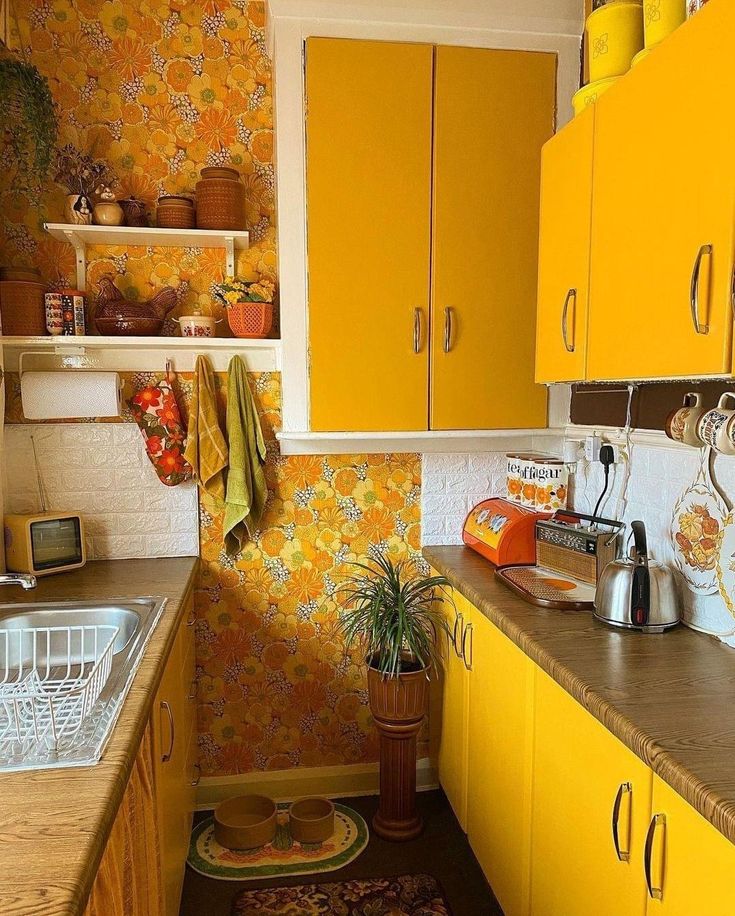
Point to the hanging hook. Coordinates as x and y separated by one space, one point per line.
170 374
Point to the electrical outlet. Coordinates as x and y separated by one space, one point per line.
592 445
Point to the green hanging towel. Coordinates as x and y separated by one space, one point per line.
247 490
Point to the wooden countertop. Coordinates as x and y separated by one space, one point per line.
670 697
54 824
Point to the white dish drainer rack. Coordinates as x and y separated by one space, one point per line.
50 680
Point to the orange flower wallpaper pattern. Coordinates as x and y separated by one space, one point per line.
159 89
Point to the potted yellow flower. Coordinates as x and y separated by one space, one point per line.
249 305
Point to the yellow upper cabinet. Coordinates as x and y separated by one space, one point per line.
494 110
663 204
689 864
591 804
564 252
368 164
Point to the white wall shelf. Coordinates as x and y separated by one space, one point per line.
443 441
133 354
150 237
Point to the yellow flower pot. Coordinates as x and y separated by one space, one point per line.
614 37
661 17
589 94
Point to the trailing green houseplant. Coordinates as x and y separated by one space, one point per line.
30 126
391 609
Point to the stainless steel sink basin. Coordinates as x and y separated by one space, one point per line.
135 620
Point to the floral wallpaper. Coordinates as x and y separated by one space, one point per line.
158 88
161 88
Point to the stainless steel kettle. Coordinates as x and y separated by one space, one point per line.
637 593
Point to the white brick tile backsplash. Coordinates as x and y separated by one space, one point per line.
102 471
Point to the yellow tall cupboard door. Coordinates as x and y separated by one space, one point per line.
368 179
564 252
664 199
493 112
455 703
581 774
691 863
499 761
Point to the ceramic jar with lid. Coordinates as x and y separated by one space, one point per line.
220 199
175 212
22 302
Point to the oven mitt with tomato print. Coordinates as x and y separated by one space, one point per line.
157 414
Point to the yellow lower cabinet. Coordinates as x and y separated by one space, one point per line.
690 864
591 804
499 760
455 697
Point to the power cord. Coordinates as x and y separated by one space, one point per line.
607 458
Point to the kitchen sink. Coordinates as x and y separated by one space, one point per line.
53 654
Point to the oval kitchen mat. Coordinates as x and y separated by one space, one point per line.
696 530
284 856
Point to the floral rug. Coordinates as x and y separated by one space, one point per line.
406 895
284 856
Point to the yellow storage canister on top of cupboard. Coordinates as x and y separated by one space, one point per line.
661 18
614 37
589 94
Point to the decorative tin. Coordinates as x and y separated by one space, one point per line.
54 313
552 477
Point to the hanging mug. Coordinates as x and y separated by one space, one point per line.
713 427
682 424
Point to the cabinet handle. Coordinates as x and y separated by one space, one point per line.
625 788
192 619
458 623
467 632
694 290
571 294
192 695
197 770
167 756
417 330
447 329
655 893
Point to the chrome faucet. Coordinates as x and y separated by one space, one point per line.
25 580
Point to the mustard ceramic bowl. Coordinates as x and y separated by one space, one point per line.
660 18
614 37
589 94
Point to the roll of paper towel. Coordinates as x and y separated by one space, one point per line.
70 394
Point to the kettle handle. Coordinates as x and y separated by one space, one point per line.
640 541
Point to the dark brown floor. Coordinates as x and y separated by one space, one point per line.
442 851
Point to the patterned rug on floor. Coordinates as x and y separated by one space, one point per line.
284 856
406 895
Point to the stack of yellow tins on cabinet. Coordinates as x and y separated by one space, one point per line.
614 37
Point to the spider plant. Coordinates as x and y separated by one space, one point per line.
392 610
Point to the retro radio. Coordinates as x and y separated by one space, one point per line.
565 545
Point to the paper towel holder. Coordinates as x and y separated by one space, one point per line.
57 351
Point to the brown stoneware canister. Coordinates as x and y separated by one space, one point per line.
22 302
220 199
175 213
311 820
245 822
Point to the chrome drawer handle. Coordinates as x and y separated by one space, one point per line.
198 775
447 329
167 756
192 695
655 893
694 290
192 618
571 294
625 788
458 623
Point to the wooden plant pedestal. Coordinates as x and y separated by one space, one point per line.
398 706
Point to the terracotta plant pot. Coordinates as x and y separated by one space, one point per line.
398 705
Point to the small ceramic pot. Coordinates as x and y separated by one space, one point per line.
661 18
197 325
615 36
682 424
108 213
714 425
135 211
78 210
